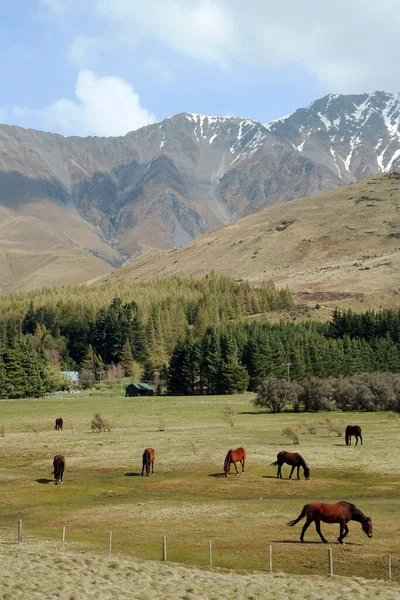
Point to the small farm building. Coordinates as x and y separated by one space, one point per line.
138 389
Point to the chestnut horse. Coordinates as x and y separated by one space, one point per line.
353 430
59 466
59 424
234 456
148 461
295 460
341 512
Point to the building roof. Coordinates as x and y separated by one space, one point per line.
140 386
70 375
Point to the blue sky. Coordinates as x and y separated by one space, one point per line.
102 67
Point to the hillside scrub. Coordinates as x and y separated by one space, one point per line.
361 392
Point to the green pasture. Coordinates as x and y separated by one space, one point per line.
188 500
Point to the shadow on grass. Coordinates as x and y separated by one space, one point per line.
216 475
44 480
132 474
315 542
273 477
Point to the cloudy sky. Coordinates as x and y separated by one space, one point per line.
105 67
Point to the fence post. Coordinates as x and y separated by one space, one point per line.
390 566
330 563
19 530
164 548
63 536
110 542
270 558
210 548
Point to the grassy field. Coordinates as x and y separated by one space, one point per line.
188 500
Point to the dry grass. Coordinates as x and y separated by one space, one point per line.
188 499
41 572
337 251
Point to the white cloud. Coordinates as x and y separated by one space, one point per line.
349 46
85 49
200 29
105 106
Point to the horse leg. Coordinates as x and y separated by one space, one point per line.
243 461
341 533
234 463
356 440
279 473
306 526
152 467
291 473
346 531
318 528
298 471
143 468
361 438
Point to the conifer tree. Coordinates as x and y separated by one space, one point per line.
126 359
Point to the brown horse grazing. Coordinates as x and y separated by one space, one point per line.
234 456
341 512
59 424
295 460
148 461
353 430
59 466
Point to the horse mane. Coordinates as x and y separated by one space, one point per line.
227 458
302 461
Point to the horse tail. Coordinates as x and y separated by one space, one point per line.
300 517
148 461
274 464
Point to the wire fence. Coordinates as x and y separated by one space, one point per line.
389 564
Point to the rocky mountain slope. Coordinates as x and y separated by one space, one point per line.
340 245
85 204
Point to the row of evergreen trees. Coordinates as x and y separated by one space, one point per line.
241 356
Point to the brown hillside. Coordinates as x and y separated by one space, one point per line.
340 244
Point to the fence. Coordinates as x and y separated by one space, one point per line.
269 566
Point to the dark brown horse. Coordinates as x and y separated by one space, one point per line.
59 424
148 461
295 460
353 430
341 512
59 466
234 456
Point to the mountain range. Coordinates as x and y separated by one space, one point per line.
73 208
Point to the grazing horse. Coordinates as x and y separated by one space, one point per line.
353 430
59 466
234 456
148 461
59 424
341 512
295 460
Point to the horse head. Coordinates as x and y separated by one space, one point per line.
367 527
307 472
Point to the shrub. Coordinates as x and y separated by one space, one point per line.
338 427
275 394
311 428
292 434
99 424
227 415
